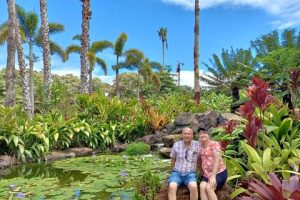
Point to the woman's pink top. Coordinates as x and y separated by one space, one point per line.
207 158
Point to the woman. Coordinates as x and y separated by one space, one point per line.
213 167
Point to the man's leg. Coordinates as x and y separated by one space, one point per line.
203 194
172 190
174 181
193 190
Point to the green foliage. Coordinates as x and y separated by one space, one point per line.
217 102
137 148
147 187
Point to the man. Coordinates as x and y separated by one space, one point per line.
184 157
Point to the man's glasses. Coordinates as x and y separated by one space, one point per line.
186 155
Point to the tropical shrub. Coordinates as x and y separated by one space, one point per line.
276 189
147 187
137 148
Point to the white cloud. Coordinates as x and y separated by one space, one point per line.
287 12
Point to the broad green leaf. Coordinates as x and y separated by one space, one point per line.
237 192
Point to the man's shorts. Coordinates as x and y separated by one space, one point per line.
182 178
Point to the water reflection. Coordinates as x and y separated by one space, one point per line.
43 171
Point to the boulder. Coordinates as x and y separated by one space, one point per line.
231 116
165 151
151 139
80 151
209 119
183 192
118 147
57 155
169 140
170 127
185 119
6 161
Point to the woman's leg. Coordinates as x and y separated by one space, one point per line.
210 191
203 194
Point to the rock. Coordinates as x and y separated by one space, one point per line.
80 151
209 119
56 155
156 147
170 127
183 192
231 116
169 140
151 139
164 131
118 147
6 161
165 151
185 119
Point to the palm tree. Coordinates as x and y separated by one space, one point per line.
46 49
119 51
96 47
33 35
135 60
11 51
196 55
231 72
85 26
22 66
163 35
278 56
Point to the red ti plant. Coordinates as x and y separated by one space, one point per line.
260 97
276 190
228 127
259 94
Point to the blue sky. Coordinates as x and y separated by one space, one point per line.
223 23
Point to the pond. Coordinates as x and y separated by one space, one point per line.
104 177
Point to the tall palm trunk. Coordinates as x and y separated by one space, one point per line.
22 66
46 50
117 80
31 86
163 49
90 81
196 55
86 14
11 51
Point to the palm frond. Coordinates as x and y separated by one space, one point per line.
99 46
3 33
92 60
55 28
72 49
134 58
289 38
102 64
77 37
120 43
58 50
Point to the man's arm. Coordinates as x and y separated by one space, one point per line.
173 160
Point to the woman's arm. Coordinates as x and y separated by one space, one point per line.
216 166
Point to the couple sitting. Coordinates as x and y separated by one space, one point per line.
184 158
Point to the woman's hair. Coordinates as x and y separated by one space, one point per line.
201 129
